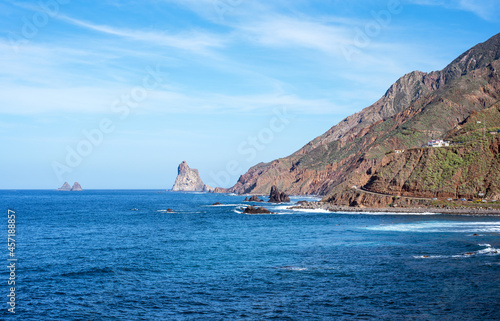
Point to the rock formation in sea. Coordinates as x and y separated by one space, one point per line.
256 210
76 187
65 187
253 198
188 180
275 196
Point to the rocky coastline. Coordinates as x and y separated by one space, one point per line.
463 210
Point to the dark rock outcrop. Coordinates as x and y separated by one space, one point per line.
217 203
256 210
188 180
255 198
65 187
275 196
76 187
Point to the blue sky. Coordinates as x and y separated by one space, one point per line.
115 94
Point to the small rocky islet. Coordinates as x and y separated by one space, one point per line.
67 188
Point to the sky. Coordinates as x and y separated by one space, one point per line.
116 94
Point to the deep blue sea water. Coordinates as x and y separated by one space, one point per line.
88 256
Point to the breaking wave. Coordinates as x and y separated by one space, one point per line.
441 226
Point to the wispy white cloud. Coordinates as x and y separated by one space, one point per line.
175 102
295 33
24 100
194 41
485 9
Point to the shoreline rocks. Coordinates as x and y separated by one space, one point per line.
424 209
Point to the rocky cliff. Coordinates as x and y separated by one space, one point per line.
188 180
417 108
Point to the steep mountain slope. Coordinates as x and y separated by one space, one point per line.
469 167
418 107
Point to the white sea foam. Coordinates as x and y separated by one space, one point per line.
488 250
281 207
441 226
292 268
428 256
223 205
305 198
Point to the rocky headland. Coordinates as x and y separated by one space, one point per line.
379 158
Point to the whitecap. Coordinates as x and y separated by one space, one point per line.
489 250
428 256
441 226
292 268
223 205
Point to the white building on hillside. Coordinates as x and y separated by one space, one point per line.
438 143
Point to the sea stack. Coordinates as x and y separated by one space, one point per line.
66 187
275 196
188 180
76 187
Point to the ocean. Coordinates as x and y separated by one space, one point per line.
119 255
